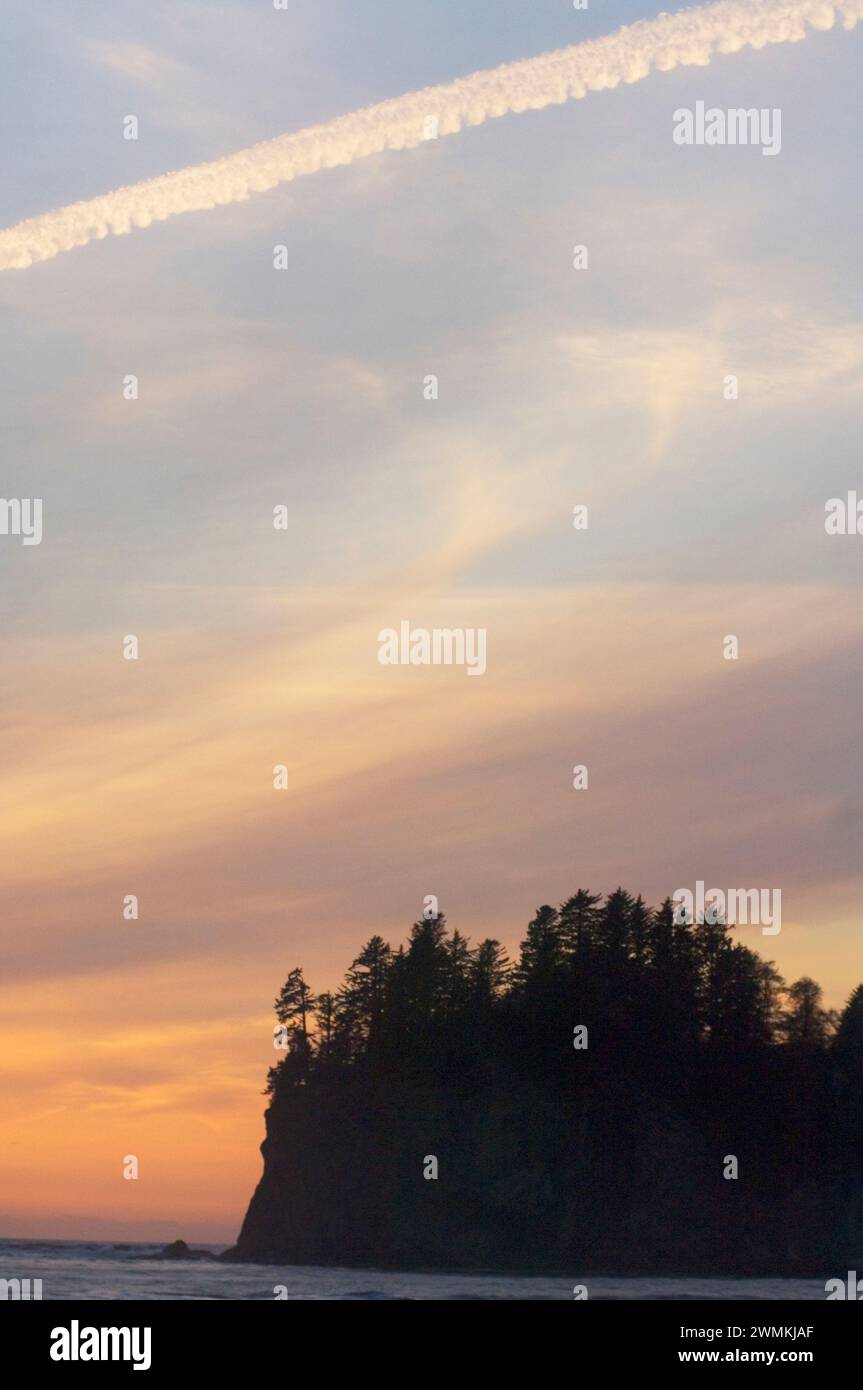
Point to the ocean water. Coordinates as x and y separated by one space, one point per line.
99 1270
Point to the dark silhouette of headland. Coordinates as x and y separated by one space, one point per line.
635 1095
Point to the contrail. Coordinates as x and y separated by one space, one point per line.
672 40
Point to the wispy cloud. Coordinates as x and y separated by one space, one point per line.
139 63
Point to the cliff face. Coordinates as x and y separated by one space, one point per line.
312 1205
344 1184
525 1182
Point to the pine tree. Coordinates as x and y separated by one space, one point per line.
489 973
542 951
806 1023
639 929
459 961
426 968
361 999
615 923
295 1003
325 1012
848 1042
293 1007
578 919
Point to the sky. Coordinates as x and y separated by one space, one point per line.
304 388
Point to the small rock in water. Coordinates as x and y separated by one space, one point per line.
179 1250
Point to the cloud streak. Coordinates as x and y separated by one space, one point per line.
689 37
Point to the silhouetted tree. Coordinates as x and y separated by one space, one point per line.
542 951
806 1023
489 974
578 919
295 1003
457 982
848 1043
326 1014
361 999
427 971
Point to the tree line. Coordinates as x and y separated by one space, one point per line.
632 971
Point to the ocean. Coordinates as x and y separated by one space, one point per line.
101 1270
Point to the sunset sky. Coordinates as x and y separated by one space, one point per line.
259 647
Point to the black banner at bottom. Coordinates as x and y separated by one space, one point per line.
164 1338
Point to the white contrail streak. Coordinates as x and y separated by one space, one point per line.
688 37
